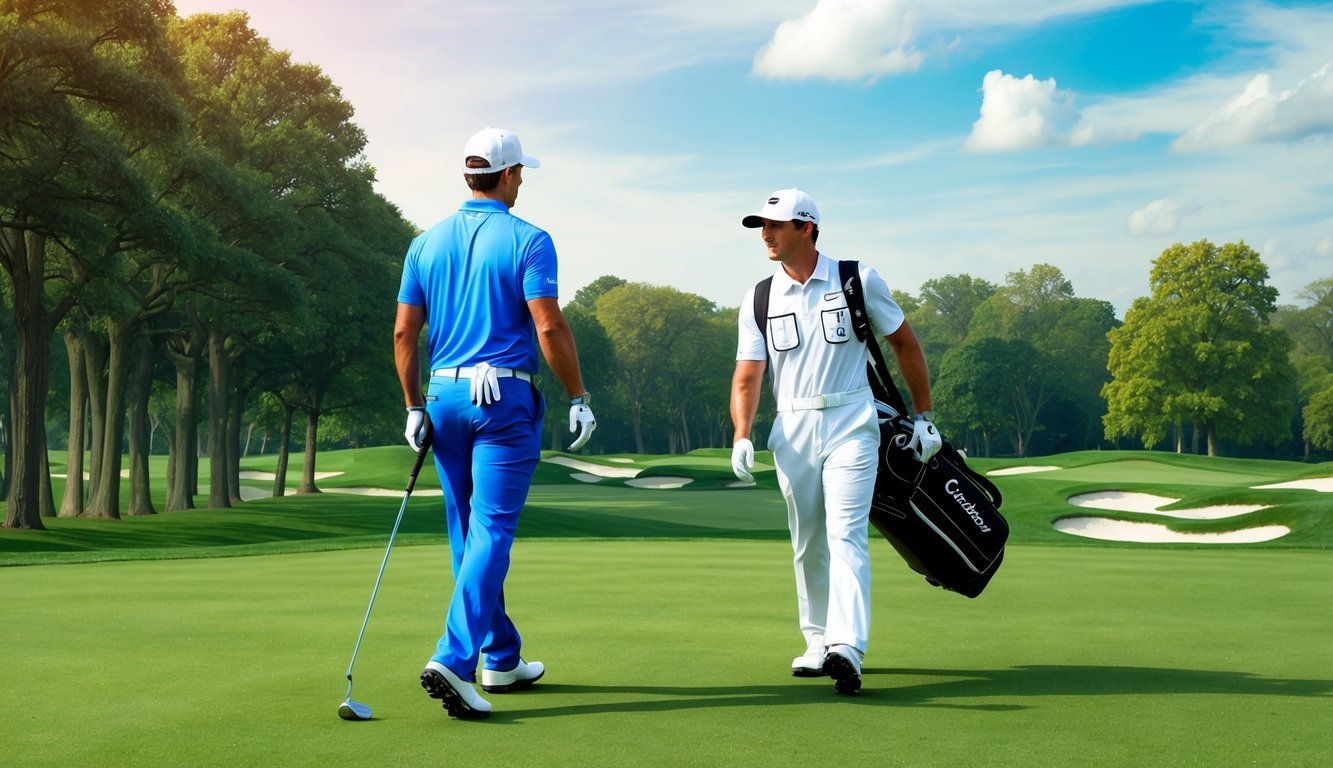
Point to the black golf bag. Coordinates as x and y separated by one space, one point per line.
942 517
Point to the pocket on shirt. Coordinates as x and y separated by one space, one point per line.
837 325
783 333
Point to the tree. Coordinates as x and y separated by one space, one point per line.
972 388
1319 420
1199 351
82 81
947 306
1065 353
650 326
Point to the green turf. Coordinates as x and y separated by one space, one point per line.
666 617
675 653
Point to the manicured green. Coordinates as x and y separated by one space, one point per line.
220 637
675 653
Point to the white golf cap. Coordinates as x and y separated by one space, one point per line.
498 147
784 205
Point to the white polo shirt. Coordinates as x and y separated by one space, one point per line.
812 349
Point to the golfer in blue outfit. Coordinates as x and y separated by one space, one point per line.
483 281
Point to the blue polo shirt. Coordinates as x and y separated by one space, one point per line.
474 273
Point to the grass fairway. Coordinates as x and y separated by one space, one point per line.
667 621
676 653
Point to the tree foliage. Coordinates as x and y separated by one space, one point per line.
1200 351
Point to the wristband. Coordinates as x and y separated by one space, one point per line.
582 399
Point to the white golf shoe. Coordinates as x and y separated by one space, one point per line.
843 664
810 663
519 678
460 699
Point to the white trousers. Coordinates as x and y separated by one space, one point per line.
826 462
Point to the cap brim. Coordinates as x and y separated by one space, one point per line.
530 162
753 221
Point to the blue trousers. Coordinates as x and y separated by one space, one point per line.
485 456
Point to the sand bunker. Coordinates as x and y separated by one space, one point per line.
253 475
1154 533
1019 471
660 482
592 469
1322 484
1146 503
584 477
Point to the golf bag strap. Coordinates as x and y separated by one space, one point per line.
877 371
761 291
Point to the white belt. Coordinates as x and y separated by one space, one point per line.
468 372
820 402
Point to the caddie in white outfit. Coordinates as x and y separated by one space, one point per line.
825 439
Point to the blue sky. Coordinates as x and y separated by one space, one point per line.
937 138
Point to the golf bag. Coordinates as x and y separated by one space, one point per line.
942 516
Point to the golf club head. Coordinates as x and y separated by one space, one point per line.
353 710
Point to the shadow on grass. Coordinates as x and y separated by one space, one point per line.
884 688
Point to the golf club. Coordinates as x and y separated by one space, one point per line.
355 710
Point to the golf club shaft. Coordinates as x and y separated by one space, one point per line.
411 483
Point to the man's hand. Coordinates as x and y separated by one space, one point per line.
485 385
582 421
418 425
742 459
926 440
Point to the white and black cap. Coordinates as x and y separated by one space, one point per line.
498 147
784 205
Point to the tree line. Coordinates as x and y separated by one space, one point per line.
1022 368
176 189
189 214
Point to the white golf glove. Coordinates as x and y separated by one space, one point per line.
485 385
926 440
582 421
742 459
418 425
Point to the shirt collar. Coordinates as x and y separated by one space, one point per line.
483 205
823 268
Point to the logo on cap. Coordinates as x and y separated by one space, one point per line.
774 200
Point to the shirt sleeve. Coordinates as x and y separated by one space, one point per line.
885 314
409 288
540 270
750 344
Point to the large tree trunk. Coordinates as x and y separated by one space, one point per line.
26 260
234 446
219 387
141 386
95 362
311 434
71 505
284 451
6 429
104 501
183 465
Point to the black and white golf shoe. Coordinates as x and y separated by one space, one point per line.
846 673
458 696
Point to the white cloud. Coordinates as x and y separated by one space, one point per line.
1156 218
1259 114
1020 114
1324 247
843 40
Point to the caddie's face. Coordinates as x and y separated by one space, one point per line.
784 239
